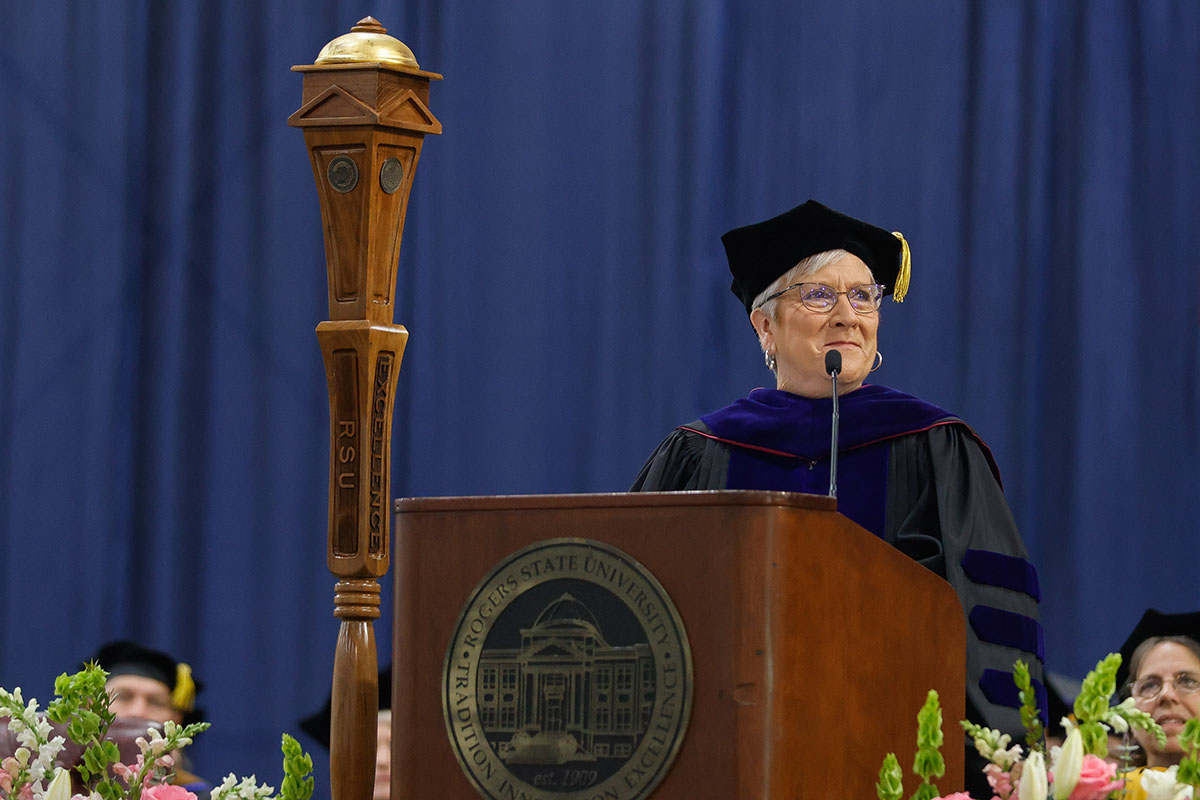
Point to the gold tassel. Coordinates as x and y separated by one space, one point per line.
905 273
184 695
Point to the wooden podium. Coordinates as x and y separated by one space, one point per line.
813 643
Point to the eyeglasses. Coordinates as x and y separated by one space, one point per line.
821 298
1151 686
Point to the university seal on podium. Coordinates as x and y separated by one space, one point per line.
568 677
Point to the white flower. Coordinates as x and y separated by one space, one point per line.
155 746
1068 765
51 749
1161 785
60 786
28 737
1033 778
225 788
1118 717
11 698
1006 758
247 789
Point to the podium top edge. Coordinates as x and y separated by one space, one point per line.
615 500
367 65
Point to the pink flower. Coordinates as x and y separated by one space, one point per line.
5 781
1000 781
955 796
167 793
1096 779
125 772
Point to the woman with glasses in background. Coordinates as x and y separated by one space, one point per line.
812 281
1160 669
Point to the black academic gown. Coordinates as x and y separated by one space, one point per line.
911 473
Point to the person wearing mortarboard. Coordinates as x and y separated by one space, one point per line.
150 685
812 281
318 727
1160 669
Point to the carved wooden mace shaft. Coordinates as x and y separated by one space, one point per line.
364 114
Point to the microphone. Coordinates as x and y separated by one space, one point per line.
833 366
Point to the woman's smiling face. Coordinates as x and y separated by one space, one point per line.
1170 708
799 338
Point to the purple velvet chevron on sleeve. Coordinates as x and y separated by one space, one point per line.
998 686
1005 571
1008 629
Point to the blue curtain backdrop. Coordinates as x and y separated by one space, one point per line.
163 411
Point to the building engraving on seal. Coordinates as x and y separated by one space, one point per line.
568 676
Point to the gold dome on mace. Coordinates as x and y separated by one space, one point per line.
368 41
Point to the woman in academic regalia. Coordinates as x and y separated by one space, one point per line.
812 281
1160 669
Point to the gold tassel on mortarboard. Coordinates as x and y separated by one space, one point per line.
905 273
183 696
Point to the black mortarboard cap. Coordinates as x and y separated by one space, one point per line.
1156 623
130 658
317 725
760 253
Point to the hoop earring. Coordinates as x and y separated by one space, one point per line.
772 363
878 361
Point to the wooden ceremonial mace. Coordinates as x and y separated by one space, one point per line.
365 113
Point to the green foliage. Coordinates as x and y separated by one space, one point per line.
1190 738
111 790
82 703
297 765
82 706
928 762
926 791
1095 717
1127 715
1035 733
929 722
1098 688
891 779
970 728
172 738
1092 705
1189 767
991 744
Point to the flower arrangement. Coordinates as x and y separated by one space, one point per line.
1075 771
82 705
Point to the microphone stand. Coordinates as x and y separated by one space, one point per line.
833 365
